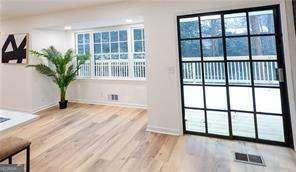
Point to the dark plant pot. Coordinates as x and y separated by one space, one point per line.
64 104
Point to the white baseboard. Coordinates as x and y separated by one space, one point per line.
44 107
163 130
16 109
109 103
34 110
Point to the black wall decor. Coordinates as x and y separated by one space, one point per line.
15 50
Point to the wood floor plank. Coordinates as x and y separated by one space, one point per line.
90 138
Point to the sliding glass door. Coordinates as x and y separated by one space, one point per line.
233 75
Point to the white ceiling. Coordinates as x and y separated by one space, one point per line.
22 8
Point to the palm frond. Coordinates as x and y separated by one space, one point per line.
45 70
62 69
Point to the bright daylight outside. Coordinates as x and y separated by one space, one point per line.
230 68
116 53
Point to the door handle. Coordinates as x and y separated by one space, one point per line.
280 73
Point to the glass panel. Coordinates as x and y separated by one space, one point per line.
138 46
261 22
106 48
214 73
80 49
123 56
114 36
123 46
237 48
263 48
241 98
80 38
211 26
268 100
265 73
97 57
143 33
192 73
216 97
105 37
114 47
143 44
212 49
270 127
139 55
123 35
243 124
97 48
195 120
218 122
114 56
106 56
239 73
190 50
86 38
86 48
235 24
97 37
138 34
193 96
189 28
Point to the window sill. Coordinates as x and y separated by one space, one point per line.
112 79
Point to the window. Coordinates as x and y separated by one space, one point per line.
116 53
139 52
83 47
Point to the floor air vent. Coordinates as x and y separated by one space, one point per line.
249 158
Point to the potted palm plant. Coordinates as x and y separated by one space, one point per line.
61 68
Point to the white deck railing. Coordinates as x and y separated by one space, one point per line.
84 70
238 72
135 68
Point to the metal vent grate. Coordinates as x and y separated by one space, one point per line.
249 158
241 156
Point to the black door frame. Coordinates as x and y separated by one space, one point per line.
280 62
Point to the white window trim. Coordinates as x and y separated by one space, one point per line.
130 59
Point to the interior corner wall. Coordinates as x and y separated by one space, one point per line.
22 88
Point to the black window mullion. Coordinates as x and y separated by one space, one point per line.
181 74
226 75
252 76
203 75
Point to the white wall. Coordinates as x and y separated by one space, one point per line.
163 87
23 88
130 93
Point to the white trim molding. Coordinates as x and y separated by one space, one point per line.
108 103
41 108
163 130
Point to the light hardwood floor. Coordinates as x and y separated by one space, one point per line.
105 138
